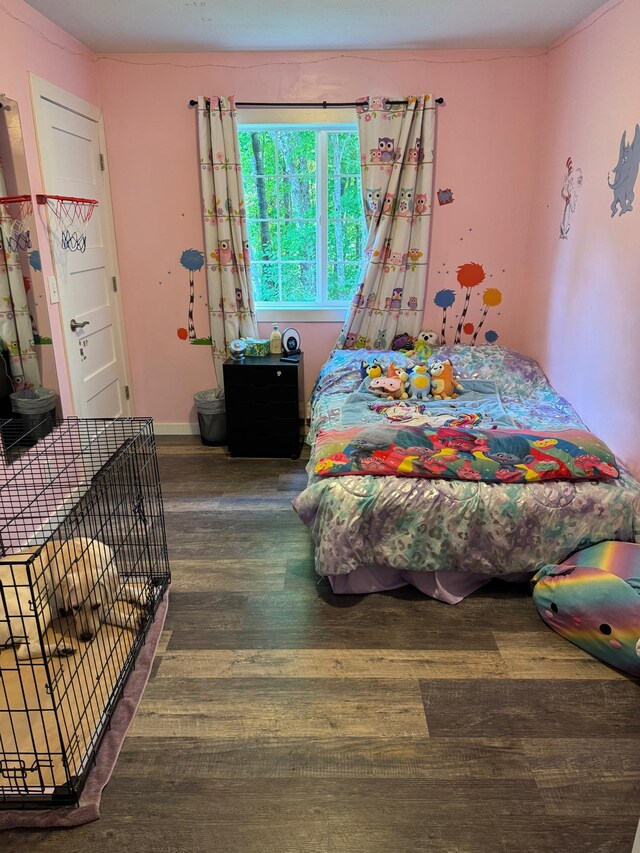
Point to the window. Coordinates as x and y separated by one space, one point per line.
304 213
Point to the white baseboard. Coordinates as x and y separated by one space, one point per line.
176 429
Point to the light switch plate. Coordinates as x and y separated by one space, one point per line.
54 296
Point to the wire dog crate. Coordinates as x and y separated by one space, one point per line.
83 569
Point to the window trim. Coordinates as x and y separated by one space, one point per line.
323 309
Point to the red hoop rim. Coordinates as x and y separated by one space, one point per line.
14 199
41 198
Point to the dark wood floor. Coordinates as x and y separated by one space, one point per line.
283 719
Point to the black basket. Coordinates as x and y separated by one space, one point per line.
83 569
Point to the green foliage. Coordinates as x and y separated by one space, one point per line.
283 216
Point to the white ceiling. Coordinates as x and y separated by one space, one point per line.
145 26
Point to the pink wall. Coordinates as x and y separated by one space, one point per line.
510 122
486 144
29 42
583 301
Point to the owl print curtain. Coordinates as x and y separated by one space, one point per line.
230 294
16 327
396 154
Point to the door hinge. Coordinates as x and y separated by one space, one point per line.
102 162
127 393
114 283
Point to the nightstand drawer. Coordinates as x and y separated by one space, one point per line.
246 395
270 374
249 410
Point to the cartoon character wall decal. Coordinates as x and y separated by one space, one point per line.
445 197
626 173
569 193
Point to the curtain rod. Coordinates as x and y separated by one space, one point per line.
323 104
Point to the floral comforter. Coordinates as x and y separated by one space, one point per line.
459 525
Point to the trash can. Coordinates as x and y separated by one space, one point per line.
212 417
35 409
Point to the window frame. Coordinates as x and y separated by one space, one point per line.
323 308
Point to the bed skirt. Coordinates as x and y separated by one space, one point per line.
450 587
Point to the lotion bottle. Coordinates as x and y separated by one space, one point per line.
275 341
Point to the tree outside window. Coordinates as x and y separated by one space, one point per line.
304 213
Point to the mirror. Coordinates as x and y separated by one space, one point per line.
26 352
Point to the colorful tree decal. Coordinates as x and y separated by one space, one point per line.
490 298
444 299
192 260
469 275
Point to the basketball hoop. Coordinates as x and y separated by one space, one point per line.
73 214
14 210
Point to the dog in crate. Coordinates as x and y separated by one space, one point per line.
77 578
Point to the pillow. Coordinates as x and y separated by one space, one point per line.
593 600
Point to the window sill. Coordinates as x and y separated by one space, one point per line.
301 315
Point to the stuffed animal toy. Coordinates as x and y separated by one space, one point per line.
390 386
426 340
403 342
404 378
420 382
443 385
370 370
420 347
593 600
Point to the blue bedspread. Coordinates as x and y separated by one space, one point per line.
440 525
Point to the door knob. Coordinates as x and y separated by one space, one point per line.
74 325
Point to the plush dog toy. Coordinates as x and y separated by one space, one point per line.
443 385
593 600
370 370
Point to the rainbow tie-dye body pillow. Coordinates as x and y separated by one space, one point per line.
593 600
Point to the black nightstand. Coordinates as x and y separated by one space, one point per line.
265 406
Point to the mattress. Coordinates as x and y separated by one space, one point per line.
434 525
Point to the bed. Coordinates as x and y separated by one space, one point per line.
450 536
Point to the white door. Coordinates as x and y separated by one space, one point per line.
70 143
